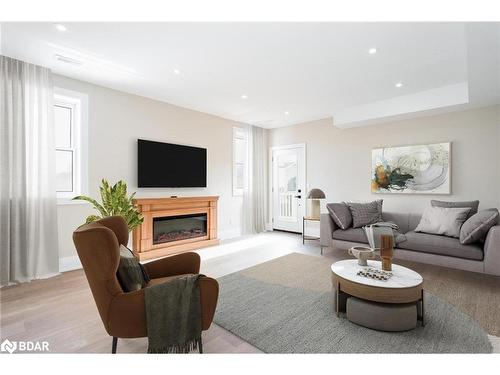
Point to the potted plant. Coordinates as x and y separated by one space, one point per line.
114 202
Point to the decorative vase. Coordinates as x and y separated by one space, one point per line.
386 251
362 254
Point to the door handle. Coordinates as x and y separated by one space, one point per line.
297 196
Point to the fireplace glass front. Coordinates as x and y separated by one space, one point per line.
176 228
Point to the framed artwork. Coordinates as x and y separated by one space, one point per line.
419 169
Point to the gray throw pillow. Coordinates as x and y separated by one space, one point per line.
365 213
473 205
131 274
477 226
340 214
443 221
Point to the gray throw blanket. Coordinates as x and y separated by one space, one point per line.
173 314
374 231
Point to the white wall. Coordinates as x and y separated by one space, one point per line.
116 121
339 161
498 147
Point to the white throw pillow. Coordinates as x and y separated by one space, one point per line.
443 221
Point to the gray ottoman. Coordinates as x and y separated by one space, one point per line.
382 316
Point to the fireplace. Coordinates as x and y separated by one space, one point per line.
174 225
179 227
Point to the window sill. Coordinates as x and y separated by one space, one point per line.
69 202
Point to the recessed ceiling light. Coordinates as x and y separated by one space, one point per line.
399 84
177 71
287 113
244 96
60 27
372 51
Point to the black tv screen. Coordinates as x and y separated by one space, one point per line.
168 165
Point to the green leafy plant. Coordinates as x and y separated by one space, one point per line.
114 202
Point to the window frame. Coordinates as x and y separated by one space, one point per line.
239 133
73 147
78 103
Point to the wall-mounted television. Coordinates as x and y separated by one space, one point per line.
170 165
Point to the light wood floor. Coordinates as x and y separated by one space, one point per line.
61 310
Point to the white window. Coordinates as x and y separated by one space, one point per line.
70 141
239 160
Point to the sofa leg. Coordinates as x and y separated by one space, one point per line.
200 347
113 346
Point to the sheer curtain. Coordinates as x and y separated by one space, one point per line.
254 193
28 211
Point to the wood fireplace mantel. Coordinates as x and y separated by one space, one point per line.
151 208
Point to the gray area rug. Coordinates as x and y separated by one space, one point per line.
285 306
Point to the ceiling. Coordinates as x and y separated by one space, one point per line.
289 72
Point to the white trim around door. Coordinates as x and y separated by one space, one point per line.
287 186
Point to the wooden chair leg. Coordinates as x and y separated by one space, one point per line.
200 346
113 346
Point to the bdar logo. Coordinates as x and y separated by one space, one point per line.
8 346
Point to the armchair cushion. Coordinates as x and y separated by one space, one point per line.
173 265
161 280
131 274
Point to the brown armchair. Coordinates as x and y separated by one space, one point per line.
124 314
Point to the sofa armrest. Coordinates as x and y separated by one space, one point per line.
492 251
326 228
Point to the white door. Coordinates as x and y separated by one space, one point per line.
288 187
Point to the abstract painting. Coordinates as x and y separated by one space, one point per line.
421 169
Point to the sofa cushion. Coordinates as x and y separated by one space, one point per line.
401 219
443 221
477 226
434 244
473 205
365 213
351 234
340 214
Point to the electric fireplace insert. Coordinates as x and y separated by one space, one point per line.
177 228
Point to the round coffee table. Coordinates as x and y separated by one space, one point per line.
405 285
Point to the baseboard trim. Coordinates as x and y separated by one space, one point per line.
269 227
69 264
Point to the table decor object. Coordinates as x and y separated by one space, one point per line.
374 273
386 251
362 254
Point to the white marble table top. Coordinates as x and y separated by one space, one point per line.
402 277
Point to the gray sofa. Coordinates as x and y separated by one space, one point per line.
422 247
